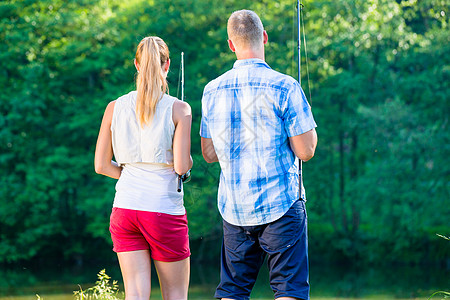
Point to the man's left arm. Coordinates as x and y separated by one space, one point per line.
299 123
208 151
304 145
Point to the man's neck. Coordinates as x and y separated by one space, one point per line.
250 54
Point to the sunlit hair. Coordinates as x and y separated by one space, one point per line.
245 28
151 55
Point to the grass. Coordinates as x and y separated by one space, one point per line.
106 289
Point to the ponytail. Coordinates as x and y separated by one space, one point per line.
151 55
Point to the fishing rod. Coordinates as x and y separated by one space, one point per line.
299 53
299 42
300 25
182 76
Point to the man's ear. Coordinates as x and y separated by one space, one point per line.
230 44
136 65
265 37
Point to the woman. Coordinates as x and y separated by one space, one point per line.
148 132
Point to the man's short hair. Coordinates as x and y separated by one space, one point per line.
245 28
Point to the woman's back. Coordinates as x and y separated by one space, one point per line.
151 143
148 181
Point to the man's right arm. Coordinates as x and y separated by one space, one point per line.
208 151
304 145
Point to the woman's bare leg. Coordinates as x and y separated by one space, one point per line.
174 278
135 267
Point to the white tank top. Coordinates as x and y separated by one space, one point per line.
148 181
151 143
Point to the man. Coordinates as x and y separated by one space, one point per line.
255 121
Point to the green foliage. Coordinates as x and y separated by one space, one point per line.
102 289
442 293
377 187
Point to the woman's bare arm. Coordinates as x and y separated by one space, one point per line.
182 118
103 151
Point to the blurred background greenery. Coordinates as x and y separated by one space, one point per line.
378 187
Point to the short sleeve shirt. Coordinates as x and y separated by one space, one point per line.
249 113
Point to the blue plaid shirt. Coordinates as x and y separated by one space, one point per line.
249 113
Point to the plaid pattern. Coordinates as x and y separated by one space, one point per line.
249 113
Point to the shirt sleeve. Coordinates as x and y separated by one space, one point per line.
296 112
204 129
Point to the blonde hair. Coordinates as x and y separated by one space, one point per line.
151 55
245 28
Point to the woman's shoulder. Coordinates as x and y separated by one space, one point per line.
109 111
169 99
127 97
180 110
181 107
126 101
177 105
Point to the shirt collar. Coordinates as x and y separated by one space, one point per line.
245 63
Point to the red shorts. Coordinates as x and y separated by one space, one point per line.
166 236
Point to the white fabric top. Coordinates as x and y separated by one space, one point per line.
151 144
148 181
148 187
